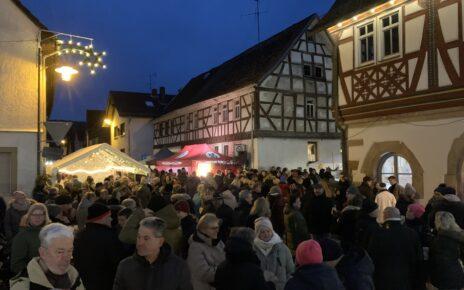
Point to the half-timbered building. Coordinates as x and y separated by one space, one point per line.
400 88
271 104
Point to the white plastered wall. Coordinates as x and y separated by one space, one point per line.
429 140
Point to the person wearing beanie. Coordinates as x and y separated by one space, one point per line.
277 205
384 199
276 259
296 229
188 224
97 250
241 269
396 252
312 273
367 223
449 202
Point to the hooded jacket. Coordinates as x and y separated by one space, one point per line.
24 247
33 278
241 269
172 234
168 272
355 270
315 276
204 257
446 271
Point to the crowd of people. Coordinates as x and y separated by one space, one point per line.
269 229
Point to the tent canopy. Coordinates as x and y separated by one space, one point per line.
160 155
98 161
195 153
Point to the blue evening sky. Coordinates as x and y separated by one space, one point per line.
172 40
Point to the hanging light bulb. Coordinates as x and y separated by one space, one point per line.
100 59
104 53
89 64
66 72
104 66
92 72
78 44
81 63
70 41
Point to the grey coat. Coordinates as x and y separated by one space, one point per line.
204 256
278 265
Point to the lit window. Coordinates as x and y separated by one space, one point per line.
310 109
122 129
149 104
312 151
366 43
390 34
237 110
395 165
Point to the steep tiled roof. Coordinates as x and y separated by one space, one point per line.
245 69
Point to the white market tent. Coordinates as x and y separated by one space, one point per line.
98 161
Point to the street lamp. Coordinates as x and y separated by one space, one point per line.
66 72
64 44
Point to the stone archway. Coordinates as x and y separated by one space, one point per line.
455 172
379 149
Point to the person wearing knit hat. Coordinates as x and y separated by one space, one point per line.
415 211
311 272
97 250
276 259
331 251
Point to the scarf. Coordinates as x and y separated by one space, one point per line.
266 247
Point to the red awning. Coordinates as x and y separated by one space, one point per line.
195 153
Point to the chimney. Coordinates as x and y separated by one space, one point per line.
162 92
154 93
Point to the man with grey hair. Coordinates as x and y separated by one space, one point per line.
52 269
153 266
243 210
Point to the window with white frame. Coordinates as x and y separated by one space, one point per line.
310 109
390 34
238 113
366 43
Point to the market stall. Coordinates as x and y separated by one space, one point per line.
98 161
200 158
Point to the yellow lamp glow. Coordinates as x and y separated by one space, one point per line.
63 141
203 169
107 122
66 72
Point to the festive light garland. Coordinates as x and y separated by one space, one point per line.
91 58
106 169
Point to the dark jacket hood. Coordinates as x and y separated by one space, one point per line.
240 251
356 259
169 215
315 275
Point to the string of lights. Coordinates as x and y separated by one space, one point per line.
91 58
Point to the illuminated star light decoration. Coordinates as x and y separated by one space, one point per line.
89 56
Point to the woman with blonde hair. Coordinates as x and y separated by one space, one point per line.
206 252
446 271
25 245
261 208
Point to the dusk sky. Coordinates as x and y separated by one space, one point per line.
172 40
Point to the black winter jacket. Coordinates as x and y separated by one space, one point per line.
315 277
168 272
356 269
241 269
445 268
97 252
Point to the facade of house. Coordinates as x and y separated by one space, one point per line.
19 122
130 116
95 132
400 89
270 104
